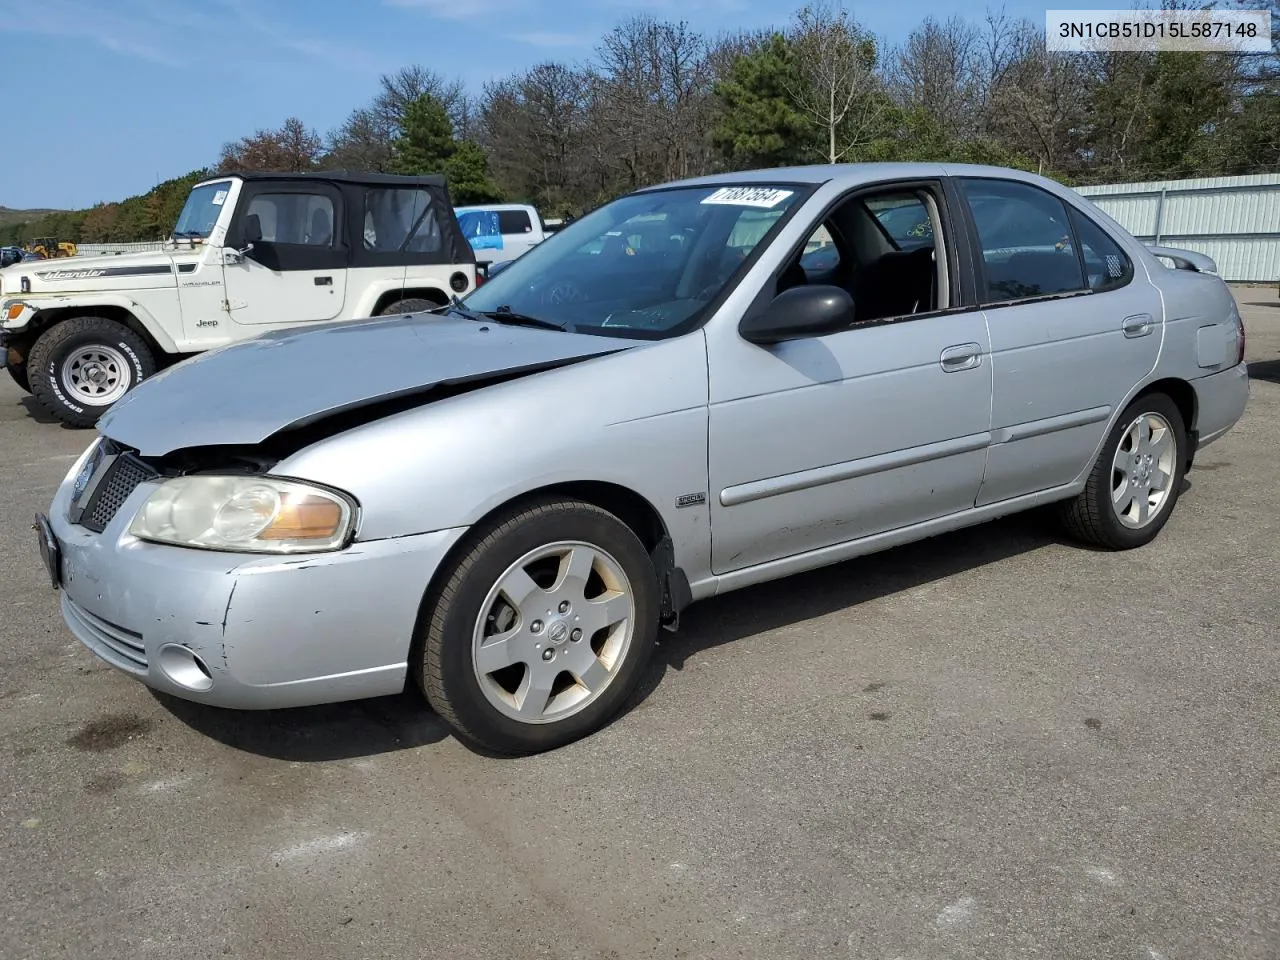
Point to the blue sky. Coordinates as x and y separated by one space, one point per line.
103 98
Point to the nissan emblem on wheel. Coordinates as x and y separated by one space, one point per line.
250 254
499 507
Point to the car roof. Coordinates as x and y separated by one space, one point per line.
336 176
848 175
494 206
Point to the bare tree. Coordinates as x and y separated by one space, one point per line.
838 89
936 70
291 149
653 97
1035 103
407 85
363 142
725 48
533 127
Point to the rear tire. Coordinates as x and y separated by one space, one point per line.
1135 483
411 305
541 629
79 368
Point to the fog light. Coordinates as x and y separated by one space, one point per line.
184 668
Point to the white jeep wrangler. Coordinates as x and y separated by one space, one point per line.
250 253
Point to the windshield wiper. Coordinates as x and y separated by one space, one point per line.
505 314
457 306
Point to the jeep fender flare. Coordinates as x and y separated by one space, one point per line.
376 293
145 322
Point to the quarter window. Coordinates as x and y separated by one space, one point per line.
304 219
1025 236
1105 264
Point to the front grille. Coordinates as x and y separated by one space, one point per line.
123 475
120 647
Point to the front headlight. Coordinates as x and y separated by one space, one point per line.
245 514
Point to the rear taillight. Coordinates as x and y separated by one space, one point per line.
1240 338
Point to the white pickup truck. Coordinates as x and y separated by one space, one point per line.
499 232
250 253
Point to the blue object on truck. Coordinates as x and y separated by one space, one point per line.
481 229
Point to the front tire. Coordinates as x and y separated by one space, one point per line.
541 629
1134 485
80 367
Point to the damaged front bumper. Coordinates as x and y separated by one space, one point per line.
246 632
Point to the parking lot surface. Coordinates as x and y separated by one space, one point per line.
990 744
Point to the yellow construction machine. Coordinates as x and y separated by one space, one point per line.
50 248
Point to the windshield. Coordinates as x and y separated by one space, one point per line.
646 265
201 210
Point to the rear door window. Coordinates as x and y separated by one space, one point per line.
1025 237
399 219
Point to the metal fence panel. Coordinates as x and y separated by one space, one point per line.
1235 220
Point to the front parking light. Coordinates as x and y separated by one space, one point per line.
245 514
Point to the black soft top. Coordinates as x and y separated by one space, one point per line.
340 176
349 187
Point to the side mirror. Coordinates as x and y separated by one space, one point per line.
809 311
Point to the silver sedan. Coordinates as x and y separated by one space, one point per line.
700 386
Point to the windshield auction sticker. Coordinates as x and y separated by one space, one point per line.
764 197
1189 31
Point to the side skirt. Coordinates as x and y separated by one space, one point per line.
813 559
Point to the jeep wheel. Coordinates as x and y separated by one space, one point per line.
80 367
19 373
412 305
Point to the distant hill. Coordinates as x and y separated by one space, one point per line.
148 216
8 215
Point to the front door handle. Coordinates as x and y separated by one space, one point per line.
1138 326
324 281
964 356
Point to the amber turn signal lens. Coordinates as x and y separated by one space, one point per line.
304 518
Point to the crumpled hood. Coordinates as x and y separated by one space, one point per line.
244 393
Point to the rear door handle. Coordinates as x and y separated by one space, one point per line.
964 356
1138 326
324 281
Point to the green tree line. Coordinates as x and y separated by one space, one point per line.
659 101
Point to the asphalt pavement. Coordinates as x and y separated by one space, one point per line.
993 744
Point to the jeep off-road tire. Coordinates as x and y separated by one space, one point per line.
411 305
80 367
1136 480
540 628
19 373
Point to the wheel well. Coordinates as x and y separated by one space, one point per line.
1181 393
433 294
1183 396
628 506
47 318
